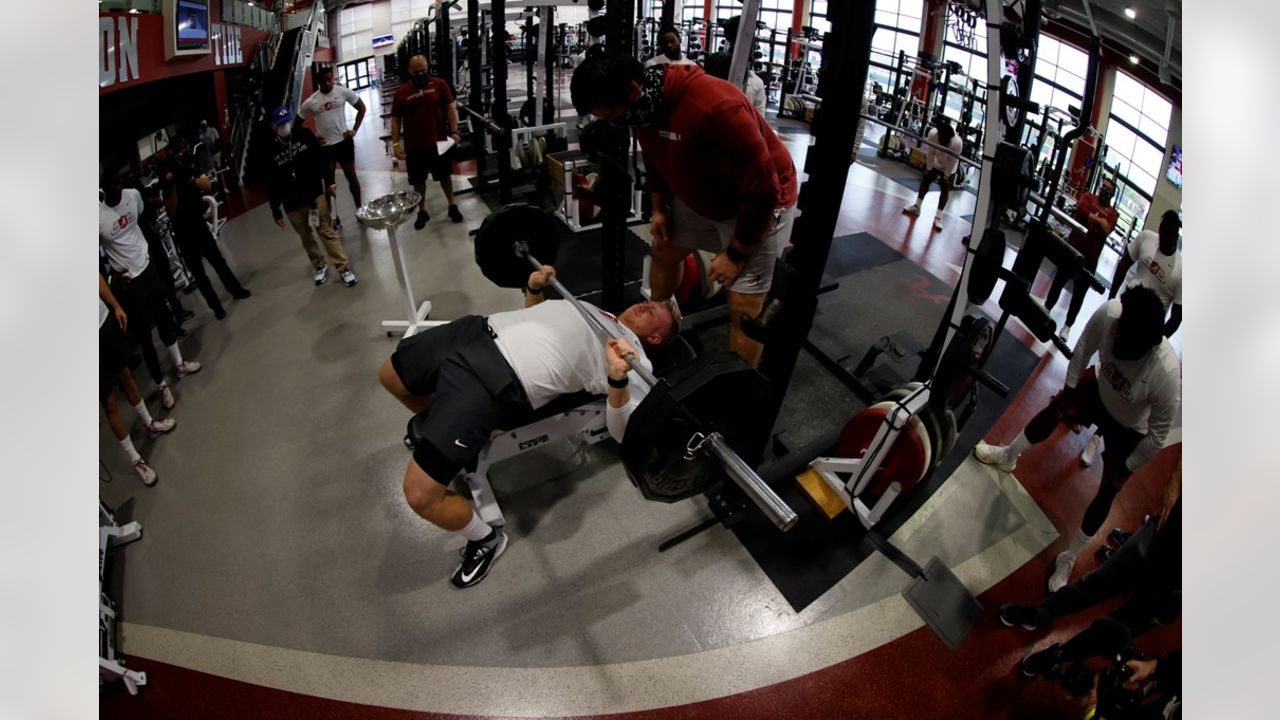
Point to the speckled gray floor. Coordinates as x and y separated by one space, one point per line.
279 519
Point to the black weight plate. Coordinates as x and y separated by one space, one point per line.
715 393
496 240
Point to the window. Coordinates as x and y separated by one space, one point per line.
404 13
898 26
971 55
1136 136
1060 74
355 27
818 16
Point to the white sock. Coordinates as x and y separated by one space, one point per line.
1016 447
130 450
175 354
477 529
1080 542
141 409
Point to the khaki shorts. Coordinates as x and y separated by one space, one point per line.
690 230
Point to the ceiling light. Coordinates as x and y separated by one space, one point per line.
1133 59
1130 13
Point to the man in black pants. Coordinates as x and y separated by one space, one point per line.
134 281
150 224
1132 396
1148 565
196 243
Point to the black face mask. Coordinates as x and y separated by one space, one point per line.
1106 195
419 79
672 54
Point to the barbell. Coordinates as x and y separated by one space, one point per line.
691 430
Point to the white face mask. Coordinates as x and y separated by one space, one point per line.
282 131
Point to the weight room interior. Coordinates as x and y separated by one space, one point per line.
280 571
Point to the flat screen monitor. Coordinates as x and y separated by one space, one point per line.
191 24
1174 173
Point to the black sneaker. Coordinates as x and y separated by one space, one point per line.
220 313
1119 537
337 223
477 559
421 222
1046 664
1023 615
455 214
241 293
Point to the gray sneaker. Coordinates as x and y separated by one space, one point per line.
348 278
322 274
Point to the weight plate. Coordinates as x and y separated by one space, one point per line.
715 393
495 243
905 462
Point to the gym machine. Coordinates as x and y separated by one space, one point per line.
112 536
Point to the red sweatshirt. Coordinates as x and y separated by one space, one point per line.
709 147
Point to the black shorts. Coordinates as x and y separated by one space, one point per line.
420 162
1089 410
473 391
113 356
341 153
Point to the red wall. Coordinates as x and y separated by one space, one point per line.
149 42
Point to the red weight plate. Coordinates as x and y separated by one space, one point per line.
906 461
689 282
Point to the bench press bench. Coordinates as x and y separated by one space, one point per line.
580 415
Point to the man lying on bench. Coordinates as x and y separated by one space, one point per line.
476 373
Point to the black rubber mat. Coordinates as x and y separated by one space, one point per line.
877 300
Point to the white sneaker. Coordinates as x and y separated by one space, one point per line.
912 210
322 274
994 455
1090 452
1064 333
348 277
937 222
1062 571
189 367
160 426
167 400
145 473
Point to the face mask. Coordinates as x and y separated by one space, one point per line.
282 131
1106 195
419 79
672 54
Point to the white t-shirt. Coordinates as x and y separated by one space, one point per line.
554 352
939 160
1140 394
755 91
330 112
661 59
1153 269
120 236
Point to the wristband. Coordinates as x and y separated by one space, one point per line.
531 291
735 254
619 384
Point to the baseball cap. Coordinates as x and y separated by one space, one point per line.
281 115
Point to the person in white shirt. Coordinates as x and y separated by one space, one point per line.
328 105
718 65
113 372
668 50
1131 395
212 142
474 372
1156 263
134 281
940 167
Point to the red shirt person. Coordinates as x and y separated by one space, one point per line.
719 177
1095 213
423 114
